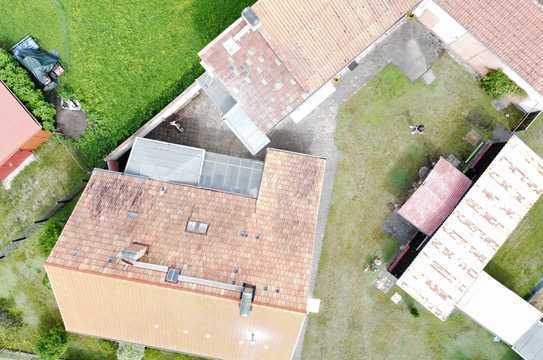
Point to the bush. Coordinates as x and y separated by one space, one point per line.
497 84
413 311
18 80
127 351
52 342
10 317
49 236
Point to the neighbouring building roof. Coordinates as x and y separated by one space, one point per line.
17 125
436 198
459 250
316 39
501 311
253 74
513 30
267 241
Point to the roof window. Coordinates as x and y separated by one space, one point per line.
197 227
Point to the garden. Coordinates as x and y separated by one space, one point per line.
373 174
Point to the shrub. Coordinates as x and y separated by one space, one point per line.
49 236
52 342
9 316
413 311
18 80
127 351
497 84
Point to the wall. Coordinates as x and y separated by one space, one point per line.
168 318
471 51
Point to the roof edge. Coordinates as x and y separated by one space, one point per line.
151 283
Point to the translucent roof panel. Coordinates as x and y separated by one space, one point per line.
232 174
165 161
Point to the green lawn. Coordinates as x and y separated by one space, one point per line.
124 60
52 176
379 160
519 263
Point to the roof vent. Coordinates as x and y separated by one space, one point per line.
252 19
246 299
133 252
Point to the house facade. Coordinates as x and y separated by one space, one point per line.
20 134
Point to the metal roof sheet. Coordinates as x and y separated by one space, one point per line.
160 160
460 249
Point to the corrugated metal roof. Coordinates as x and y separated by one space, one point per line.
498 309
17 125
436 198
460 249
160 160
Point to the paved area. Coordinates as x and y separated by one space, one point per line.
410 46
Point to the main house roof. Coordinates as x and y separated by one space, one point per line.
267 241
17 125
457 253
513 30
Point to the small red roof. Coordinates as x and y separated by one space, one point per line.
436 198
17 125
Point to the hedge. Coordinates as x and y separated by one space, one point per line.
497 84
18 80
52 343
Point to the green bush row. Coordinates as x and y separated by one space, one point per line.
52 342
49 236
497 84
18 80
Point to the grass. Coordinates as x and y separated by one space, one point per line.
379 161
519 262
124 60
36 189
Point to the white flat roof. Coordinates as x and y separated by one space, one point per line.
498 309
460 249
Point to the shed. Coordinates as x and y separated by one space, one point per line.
436 198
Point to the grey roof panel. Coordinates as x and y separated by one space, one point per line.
165 161
245 130
530 345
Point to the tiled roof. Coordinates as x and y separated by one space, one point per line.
275 255
460 249
17 126
436 198
511 29
253 75
317 38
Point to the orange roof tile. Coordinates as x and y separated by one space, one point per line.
276 255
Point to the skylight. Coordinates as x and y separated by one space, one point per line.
197 227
